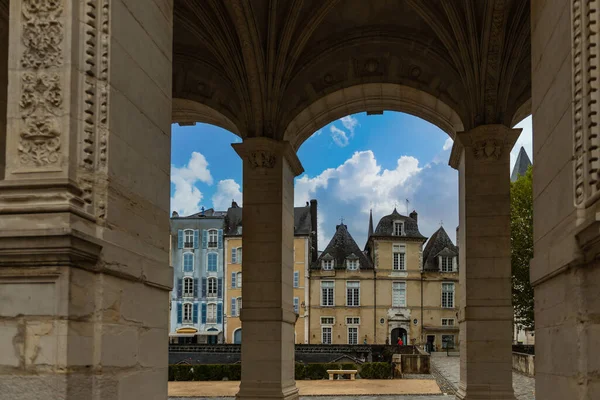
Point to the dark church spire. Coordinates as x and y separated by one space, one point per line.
370 224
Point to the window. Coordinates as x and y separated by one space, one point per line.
352 320
187 313
352 264
327 320
327 288
353 293
211 313
188 262
296 305
239 304
233 307
188 287
352 335
447 341
399 294
234 280
447 265
447 321
212 262
239 255
239 279
326 334
447 295
398 228
398 252
212 238
188 242
234 255
212 287
296 279
327 265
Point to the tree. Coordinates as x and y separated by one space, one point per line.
521 240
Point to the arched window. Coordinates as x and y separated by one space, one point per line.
212 262
188 241
212 287
187 313
239 279
212 239
211 313
188 262
188 287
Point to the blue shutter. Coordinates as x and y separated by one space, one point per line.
296 303
233 307
233 280
180 239
219 313
220 287
179 312
220 238
233 256
204 239
195 313
196 238
195 287
203 318
203 288
179 287
296 279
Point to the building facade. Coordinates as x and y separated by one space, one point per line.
305 240
197 296
385 293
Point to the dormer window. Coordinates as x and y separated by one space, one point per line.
447 264
327 265
352 264
398 228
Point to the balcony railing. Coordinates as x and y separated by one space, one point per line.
212 245
188 245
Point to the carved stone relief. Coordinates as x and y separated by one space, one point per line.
41 89
261 159
487 149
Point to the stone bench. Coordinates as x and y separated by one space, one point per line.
351 372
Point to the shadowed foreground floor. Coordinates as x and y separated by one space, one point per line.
312 388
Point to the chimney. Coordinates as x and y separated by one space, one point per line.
414 215
313 227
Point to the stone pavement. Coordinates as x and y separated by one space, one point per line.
449 369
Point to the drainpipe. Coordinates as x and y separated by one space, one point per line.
421 307
375 306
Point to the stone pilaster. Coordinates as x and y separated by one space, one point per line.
268 234
482 157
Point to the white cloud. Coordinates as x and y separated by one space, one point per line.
317 133
525 140
448 144
349 123
227 190
339 136
187 197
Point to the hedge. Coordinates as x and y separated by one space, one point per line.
217 372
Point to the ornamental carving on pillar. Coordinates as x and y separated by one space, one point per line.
261 159
586 67
487 149
41 90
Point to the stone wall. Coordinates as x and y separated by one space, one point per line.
415 363
524 363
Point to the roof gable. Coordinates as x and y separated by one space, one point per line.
438 245
342 247
385 227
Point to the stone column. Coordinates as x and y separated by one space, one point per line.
268 235
482 158
84 200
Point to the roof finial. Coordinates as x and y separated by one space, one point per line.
407 202
441 223
342 220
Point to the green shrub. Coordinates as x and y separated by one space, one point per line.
300 371
375 370
208 372
318 371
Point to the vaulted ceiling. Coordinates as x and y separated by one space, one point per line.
259 63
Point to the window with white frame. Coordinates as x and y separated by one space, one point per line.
398 228
211 287
239 255
212 238
398 294
296 305
447 264
239 279
187 313
212 262
353 293
188 262
296 279
327 264
211 313
353 335
188 241
188 287
447 321
326 334
352 320
239 304
352 264
447 295
399 257
327 320
327 289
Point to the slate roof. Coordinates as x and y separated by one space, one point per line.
385 227
523 162
341 247
439 244
233 220
209 213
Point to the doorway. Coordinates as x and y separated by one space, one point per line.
430 343
399 333
237 336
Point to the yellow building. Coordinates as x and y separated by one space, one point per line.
305 253
385 293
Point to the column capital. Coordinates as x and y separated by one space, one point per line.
263 153
485 143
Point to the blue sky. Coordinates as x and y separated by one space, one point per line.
352 165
